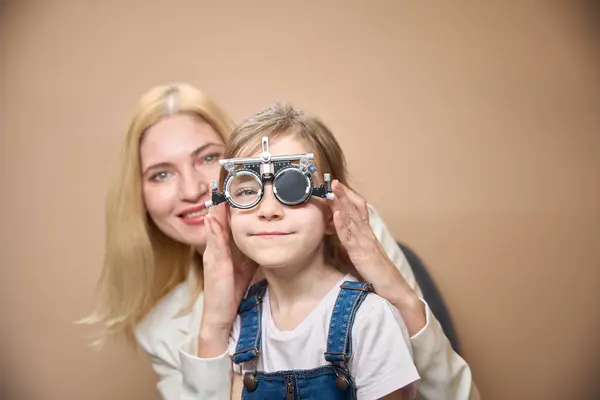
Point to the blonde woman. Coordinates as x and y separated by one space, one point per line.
156 288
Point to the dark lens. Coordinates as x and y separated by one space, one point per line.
291 186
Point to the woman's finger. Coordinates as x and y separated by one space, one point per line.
359 215
344 214
217 232
352 200
210 235
357 201
219 213
211 250
343 227
341 201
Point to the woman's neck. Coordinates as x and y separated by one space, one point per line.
308 281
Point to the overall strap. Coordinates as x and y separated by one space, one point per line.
250 311
339 340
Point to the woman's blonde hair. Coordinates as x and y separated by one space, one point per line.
142 264
284 120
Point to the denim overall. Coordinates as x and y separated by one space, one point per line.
328 382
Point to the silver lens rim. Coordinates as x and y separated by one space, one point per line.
230 179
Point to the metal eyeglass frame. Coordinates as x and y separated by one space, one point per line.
268 168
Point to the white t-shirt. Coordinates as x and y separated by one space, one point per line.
381 361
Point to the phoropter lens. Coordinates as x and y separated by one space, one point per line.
244 189
291 186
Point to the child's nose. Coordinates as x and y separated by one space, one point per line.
269 207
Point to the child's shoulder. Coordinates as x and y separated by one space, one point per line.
375 309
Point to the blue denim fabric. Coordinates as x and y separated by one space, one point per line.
339 339
250 311
317 383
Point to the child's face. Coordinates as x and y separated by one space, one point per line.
275 235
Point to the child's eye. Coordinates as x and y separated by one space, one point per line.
245 192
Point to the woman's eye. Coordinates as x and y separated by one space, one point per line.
209 158
159 176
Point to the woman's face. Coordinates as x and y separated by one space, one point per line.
179 158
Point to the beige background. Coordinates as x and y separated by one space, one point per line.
480 123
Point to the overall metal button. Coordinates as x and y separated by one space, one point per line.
342 383
250 382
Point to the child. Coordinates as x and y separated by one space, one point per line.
310 330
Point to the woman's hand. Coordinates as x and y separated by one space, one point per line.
225 283
351 219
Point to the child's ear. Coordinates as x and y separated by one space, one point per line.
329 225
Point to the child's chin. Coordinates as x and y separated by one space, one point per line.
274 261
268 256
274 266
